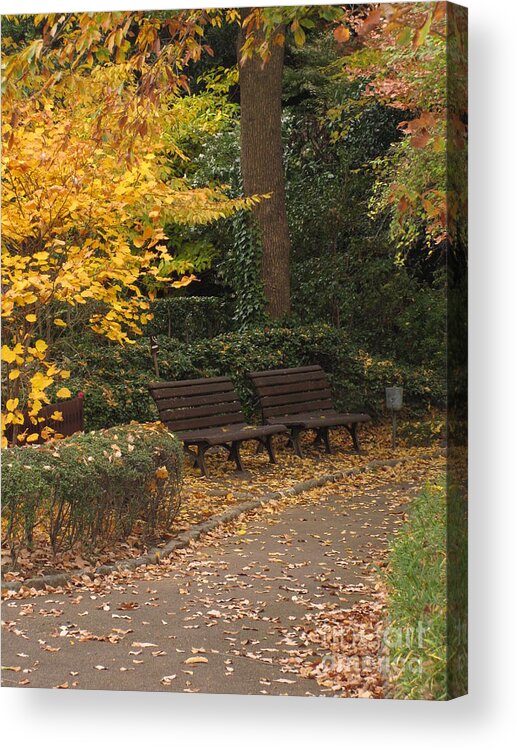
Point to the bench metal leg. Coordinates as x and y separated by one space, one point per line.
235 454
200 459
323 436
294 440
270 449
191 454
352 429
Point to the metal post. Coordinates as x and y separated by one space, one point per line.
154 352
394 399
393 429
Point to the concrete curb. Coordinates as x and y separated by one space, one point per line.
183 540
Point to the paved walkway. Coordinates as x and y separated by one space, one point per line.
231 615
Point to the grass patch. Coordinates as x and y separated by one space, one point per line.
416 635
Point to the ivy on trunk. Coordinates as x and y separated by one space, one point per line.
263 171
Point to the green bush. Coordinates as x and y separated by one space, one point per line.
385 308
114 380
189 318
91 487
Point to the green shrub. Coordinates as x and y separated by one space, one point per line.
114 380
189 318
382 305
91 487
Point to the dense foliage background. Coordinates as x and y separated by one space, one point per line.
362 136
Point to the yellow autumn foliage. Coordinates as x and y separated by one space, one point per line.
83 213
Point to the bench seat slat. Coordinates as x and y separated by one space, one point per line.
223 435
324 419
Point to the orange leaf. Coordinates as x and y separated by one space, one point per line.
341 34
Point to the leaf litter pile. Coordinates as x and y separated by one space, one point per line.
205 497
285 600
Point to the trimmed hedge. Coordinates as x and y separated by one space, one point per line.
91 486
189 319
114 380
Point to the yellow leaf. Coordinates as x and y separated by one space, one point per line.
41 346
47 432
14 374
184 281
35 409
57 416
39 382
63 393
7 354
31 318
11 404
59 322
161 472
33 437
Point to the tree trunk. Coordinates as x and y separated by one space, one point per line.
263 172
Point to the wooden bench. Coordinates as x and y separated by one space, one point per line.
207 412
300 398
72 421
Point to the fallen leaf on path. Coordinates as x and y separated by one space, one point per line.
196 660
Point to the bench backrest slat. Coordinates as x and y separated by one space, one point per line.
203 403
292 391
185 402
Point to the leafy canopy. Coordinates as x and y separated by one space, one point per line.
86 195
